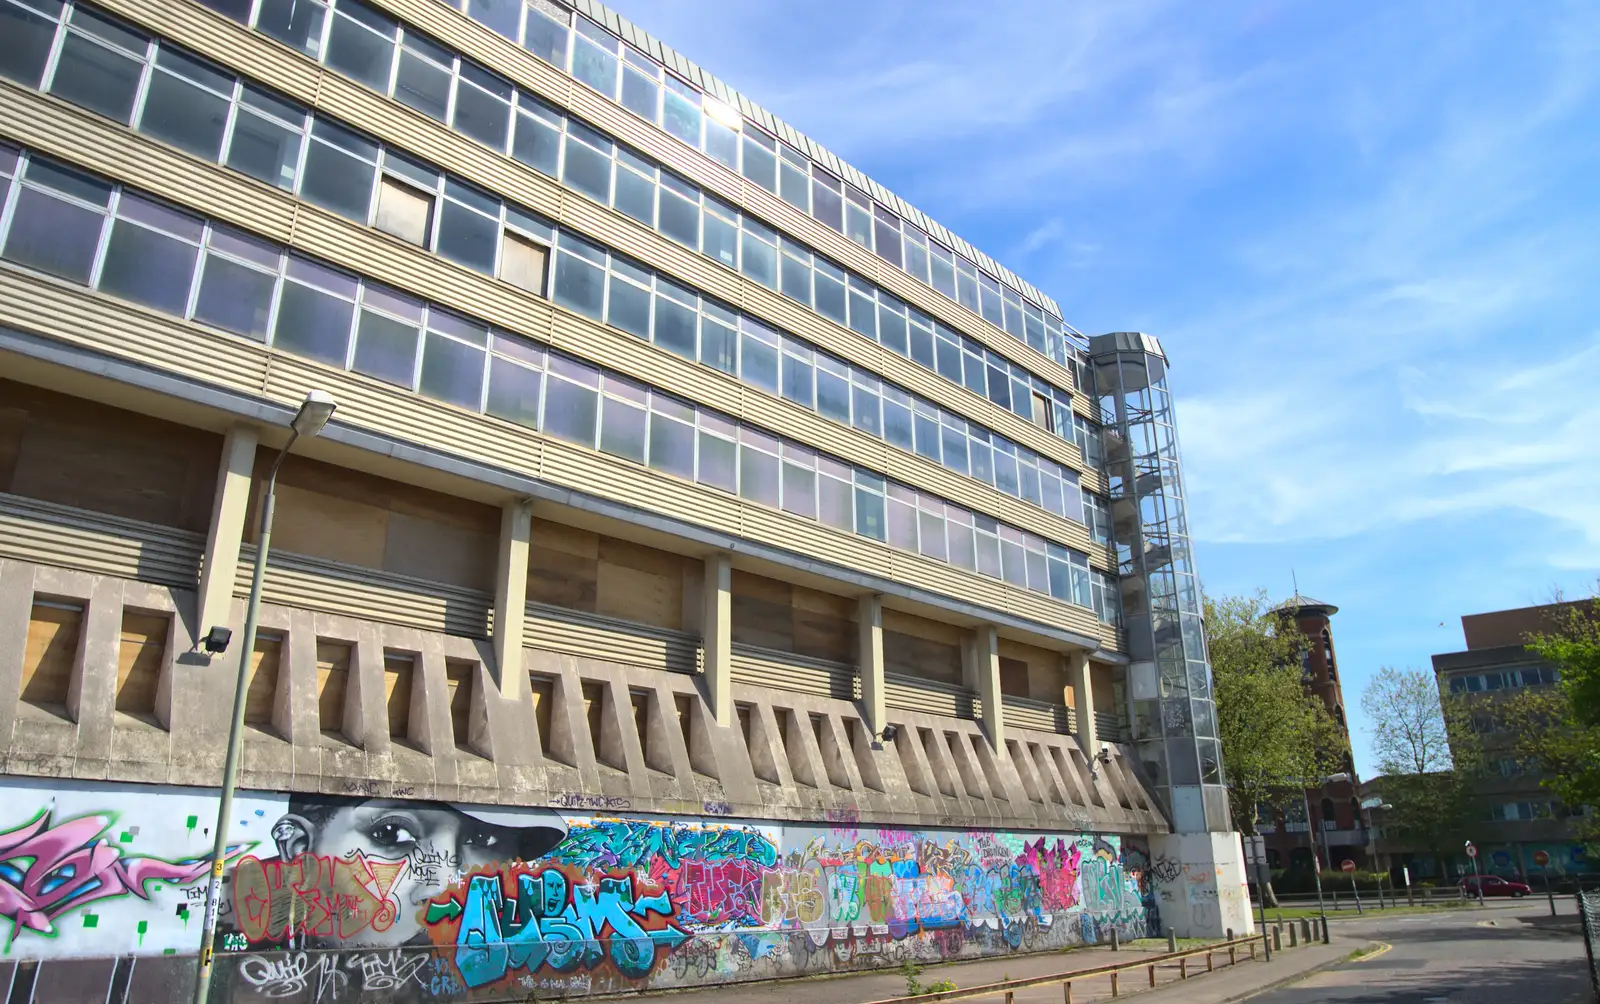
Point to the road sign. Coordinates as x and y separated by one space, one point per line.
1255 850
1347 865
1472 850
1541 858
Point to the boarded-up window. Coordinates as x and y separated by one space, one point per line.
684 705
263 686
920 648
403 211
75 452
1013 677
140 652
333 678
580 570
640 702
342 515
543 689
458 679
522 263
398 668
771 614
54 632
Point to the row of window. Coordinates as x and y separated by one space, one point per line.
1527 676
64 222
1510 812
631 78
399 62
163 91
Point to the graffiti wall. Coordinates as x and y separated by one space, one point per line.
330 898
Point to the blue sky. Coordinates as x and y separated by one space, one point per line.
1367 235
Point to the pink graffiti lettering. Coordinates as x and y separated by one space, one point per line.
47 870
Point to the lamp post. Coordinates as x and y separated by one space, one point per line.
1316 865
308 421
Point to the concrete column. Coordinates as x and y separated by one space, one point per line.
511 596
1081 681
869 661
717 632
983 673
231 499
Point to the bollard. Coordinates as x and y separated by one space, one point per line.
1183 968
1210 964
1294 935
1172 940
1010 998
1113 939
1277 939
1066 992
1233 955
1152 976
1113 983
1230 935
1252 950
1325 939
1305 929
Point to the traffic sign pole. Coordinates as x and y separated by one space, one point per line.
1349 867
1477 878
1542 859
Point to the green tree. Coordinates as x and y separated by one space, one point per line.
1428 749
1557 729
1275 735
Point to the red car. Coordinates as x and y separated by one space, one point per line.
1493 885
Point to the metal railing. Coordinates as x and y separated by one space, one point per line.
1150 965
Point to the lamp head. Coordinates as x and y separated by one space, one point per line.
314 413
216 640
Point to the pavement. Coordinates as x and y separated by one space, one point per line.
1507 942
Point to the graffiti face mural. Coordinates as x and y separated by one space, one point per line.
331 898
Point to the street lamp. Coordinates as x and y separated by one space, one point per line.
314 413
1311 838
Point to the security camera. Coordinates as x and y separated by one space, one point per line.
1104 756
888 733
216 640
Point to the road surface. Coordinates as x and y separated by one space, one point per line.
1495 956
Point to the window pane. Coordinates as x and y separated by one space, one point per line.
636 196
523 263
503 17
827 205
760 165
148 267
422 85
864 409
680 219
571 411
234 297
797 279
338 181
91 75
296 23
833 396
798 380
53 236
719 345
897 424
718 462
184 115
545 38
869 514
595 67
588 170
720 240
514 392
629 308
579 285
537 144
358 51
681 117
622 429
403 211
385 348
758 363
932 535
892 330
468 237
888 241
675 327
722 143
902 526
312 323
758 476
858 225
238 10
800 490
640 94
482 116
760 261
672 447
264 149
25 39
830 297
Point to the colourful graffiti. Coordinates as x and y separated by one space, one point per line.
48 869
524 920
330 898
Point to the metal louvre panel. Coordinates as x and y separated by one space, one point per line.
51 126
1035 606
607 477
69 537
950 580
68 312
1041 716
333 587
1110 728
930 697
1110 637
803 535
798 674
609 639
